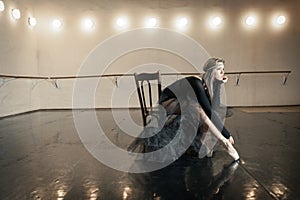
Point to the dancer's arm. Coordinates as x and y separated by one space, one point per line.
205 104
213 129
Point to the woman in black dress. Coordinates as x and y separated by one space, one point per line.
193 111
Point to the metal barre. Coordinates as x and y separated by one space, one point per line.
163 74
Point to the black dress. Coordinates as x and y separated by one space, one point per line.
181 129
190 88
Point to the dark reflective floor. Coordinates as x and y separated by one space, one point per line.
42 157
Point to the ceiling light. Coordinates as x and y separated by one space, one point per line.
250 21
16 14
280 20
56 24
88 24
181 23
151 22
2 6
122 22
215 22
32 21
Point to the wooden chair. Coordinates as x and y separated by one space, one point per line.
146 101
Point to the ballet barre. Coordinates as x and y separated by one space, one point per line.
238 74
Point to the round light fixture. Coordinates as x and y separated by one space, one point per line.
2 6
280 20
88 24
16 14
151 22
32 21
250 21
56 24
122 22
215 22
181 23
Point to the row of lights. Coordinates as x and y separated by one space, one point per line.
123 22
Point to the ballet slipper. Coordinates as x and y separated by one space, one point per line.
231 150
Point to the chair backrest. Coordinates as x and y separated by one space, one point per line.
147 104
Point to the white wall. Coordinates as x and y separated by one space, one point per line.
18 56
40 51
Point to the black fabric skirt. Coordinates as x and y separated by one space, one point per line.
180 134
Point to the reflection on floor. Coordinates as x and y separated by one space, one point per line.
42 157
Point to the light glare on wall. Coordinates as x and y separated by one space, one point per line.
251 21
151 22
122 22
88 24
16 14
56 24
215 22
2 6
32 21
280 20
181 23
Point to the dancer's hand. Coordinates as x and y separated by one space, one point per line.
231 140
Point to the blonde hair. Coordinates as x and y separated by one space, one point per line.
208 75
